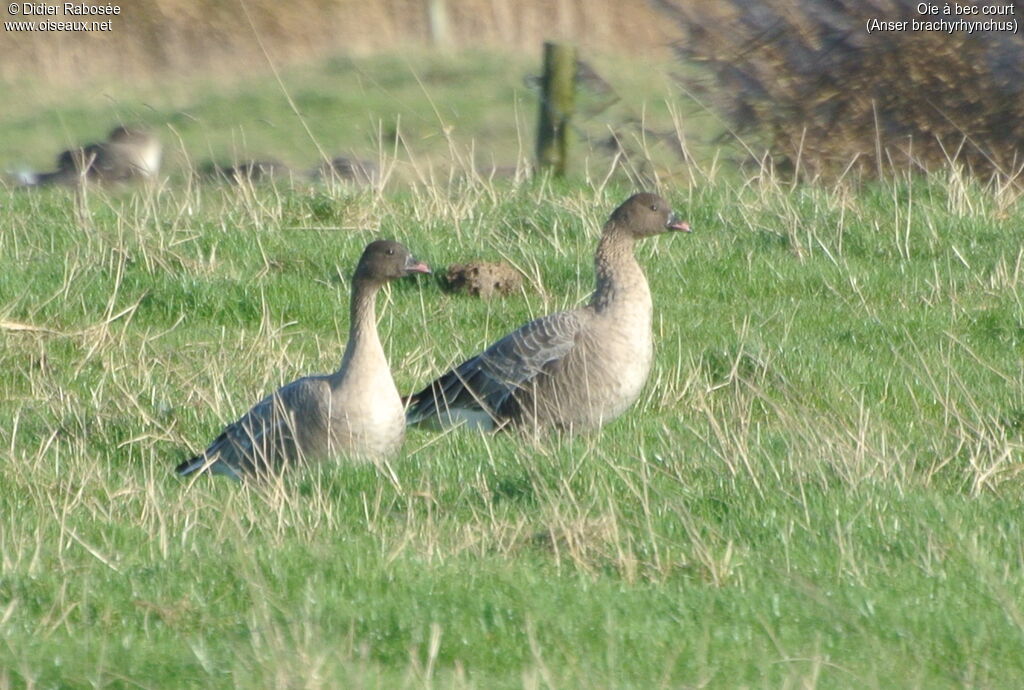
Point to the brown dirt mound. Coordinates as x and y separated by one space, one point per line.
484 279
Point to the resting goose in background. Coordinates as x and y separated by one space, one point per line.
128 154
355 412
247 171
574 369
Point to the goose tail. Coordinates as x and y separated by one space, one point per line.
191 466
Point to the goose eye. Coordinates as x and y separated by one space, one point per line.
391 252
654 207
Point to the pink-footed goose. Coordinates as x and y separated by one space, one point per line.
129 153
574 369
355 412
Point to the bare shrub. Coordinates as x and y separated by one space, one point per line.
826 95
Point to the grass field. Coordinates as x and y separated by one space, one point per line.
820 486
422 114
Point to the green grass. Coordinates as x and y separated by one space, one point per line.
422 112
820 485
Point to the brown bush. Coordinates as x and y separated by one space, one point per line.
825 94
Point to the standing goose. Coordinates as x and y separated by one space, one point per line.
355 412
574 369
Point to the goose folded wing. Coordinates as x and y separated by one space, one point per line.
263 437
486 382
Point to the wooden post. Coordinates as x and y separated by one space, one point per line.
557 102
437 22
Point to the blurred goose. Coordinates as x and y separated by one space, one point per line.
574 369
346 169
247 171
67 172
127 154
355 412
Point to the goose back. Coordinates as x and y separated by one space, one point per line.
575 369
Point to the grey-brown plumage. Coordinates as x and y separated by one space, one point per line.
574 369
346 169
355 412
248 171
128 154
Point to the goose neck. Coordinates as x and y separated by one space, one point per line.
617 272
363 341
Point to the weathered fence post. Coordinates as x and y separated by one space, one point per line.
437 23
557 102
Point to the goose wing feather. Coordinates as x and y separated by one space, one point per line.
264 436
487 381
